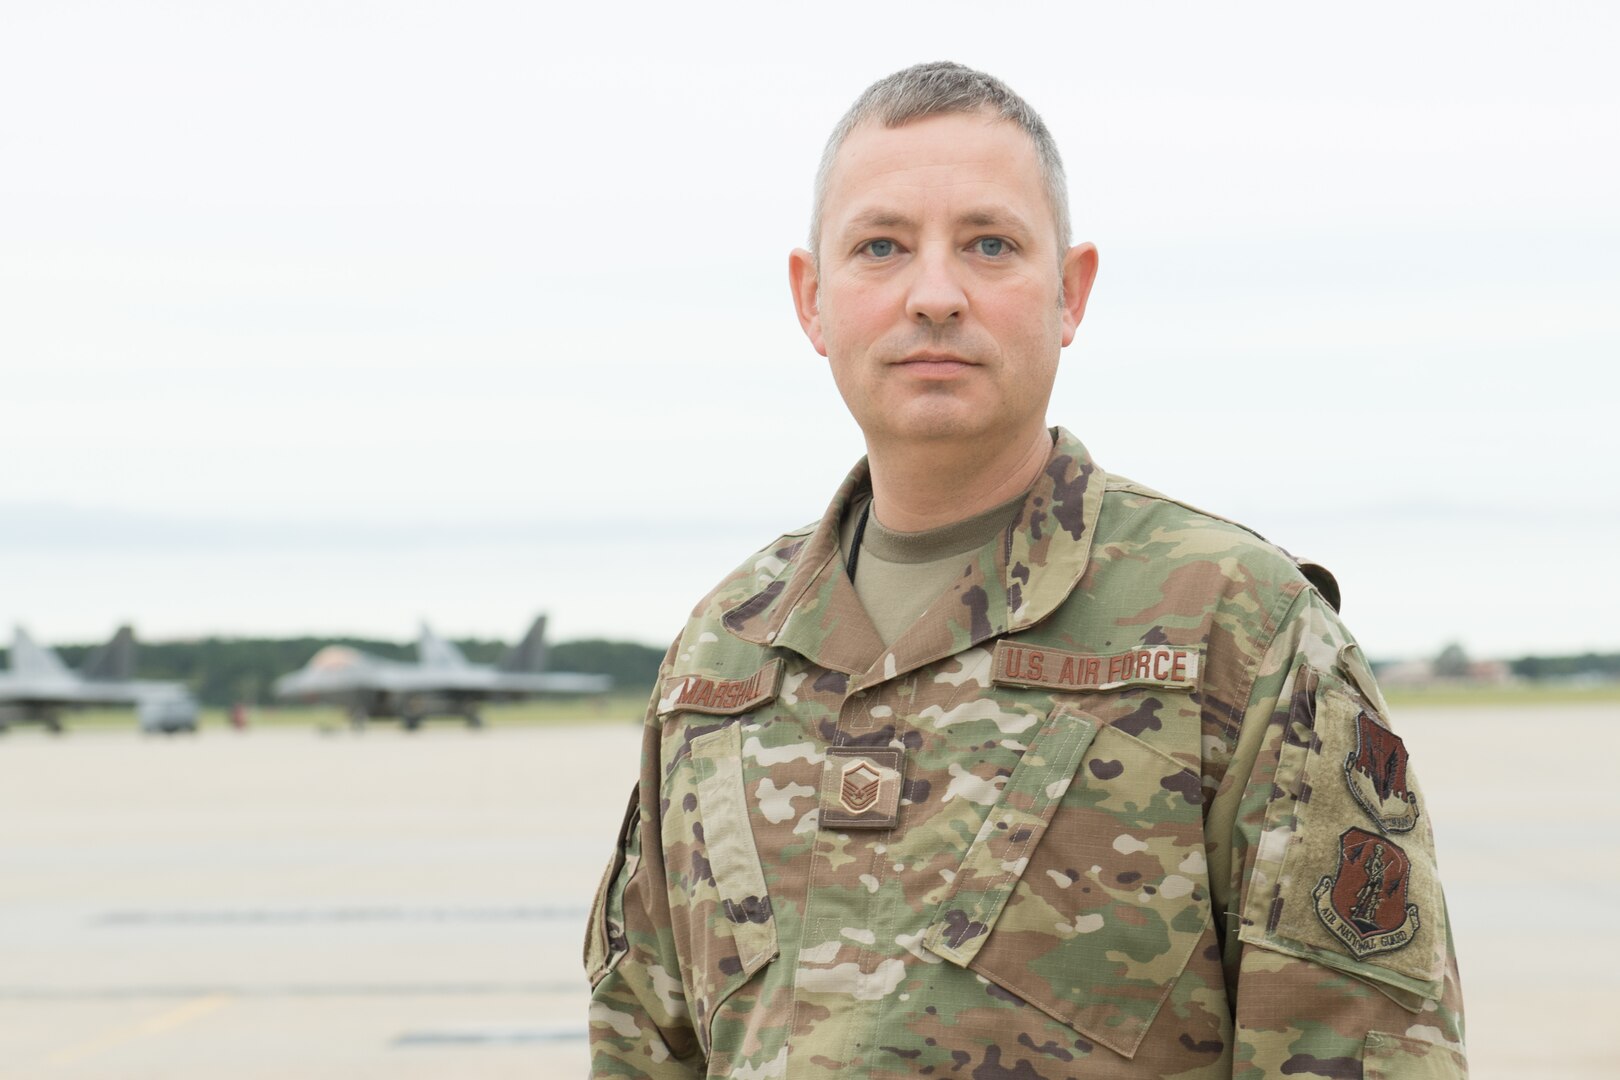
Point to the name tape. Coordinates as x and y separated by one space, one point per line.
721 697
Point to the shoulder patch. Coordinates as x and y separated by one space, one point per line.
1376 773
1363 904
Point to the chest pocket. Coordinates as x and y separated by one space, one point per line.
1085 890
717 884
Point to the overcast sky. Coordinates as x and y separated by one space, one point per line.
333 316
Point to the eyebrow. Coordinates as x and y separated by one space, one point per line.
977 217
878 219
996 218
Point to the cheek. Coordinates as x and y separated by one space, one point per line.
861 310
852 323
865 309
1026 321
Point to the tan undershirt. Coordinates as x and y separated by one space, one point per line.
899 574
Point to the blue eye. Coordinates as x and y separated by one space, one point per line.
991 246
880 249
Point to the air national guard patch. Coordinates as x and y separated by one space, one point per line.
1376 773
1017 664
1364 904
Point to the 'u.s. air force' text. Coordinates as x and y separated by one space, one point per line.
1054 669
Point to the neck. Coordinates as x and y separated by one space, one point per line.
923 486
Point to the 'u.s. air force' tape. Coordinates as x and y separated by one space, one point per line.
1167 666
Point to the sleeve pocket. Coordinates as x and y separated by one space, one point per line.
605 940
1345 873
1396 1057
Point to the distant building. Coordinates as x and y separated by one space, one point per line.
1419 673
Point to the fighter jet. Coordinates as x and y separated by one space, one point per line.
442 682
39 686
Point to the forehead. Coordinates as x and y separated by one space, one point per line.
944 161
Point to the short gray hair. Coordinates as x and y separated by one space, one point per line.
937 88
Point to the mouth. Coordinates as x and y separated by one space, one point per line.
934 365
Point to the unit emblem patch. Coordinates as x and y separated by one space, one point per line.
1364 903
1376 773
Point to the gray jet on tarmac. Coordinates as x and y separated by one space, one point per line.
38 687
442 682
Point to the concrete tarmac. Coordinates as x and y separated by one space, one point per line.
283 903
288 904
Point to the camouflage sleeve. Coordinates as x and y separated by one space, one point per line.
639 1023
1336 944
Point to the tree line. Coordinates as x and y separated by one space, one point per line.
1586 665
223 671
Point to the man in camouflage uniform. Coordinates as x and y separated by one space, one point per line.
1116 797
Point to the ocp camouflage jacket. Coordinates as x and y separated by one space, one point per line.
1124 802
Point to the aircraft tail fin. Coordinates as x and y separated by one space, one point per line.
529 654
114 661
28 657
435 652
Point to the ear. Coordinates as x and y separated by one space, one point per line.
1079 272
806 287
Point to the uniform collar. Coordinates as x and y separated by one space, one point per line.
811 607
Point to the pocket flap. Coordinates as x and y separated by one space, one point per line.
729 838
1397 1057
999 853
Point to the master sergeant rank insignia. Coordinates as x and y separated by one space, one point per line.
1364 903
1376 773
860 787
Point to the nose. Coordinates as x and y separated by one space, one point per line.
936 295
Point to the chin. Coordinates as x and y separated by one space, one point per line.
925 421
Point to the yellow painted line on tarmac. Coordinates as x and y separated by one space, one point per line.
154 1025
